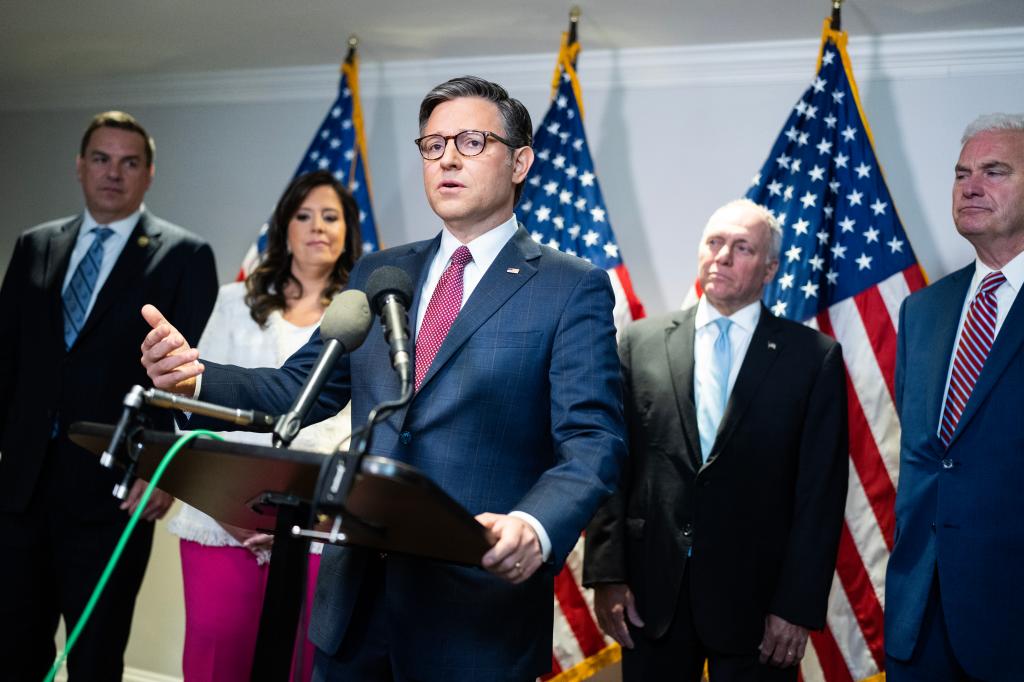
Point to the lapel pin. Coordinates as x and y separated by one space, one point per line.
513 271
771 345
143 241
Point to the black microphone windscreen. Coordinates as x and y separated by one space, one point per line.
388 280
347 319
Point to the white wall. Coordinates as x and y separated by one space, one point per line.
675 132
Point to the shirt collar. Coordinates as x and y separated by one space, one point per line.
484 248
122 228
746 318
1012 271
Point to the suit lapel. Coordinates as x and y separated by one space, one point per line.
416 262
1004 350
496 286
62 243
943 321
765 346
142 243
679 348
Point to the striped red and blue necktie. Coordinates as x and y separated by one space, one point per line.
975 343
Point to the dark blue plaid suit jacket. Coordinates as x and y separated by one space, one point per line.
521 410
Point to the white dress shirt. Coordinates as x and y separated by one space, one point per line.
112 248
1006 294
744 321
485 249
233 337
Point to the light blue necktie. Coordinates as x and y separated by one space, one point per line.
715 396
78 293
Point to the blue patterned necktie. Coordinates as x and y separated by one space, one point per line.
716 394
79 290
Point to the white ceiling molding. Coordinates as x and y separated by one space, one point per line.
898 56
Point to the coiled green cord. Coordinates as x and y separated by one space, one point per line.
116 555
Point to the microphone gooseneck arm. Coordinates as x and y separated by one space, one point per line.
289 424
254 419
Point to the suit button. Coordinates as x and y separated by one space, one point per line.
687 530
947 463
405 438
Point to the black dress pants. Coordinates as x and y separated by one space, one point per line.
51 556
679 655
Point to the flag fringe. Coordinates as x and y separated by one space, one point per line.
567 62
351 71
589 666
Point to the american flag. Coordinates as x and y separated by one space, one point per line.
562 207
339 146
845 267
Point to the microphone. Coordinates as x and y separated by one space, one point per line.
390 292
345 325
132 403
254 419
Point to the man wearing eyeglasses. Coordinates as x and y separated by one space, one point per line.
517 413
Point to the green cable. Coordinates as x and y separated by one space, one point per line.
116 556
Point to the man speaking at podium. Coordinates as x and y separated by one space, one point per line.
517 413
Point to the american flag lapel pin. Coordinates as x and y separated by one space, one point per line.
513 271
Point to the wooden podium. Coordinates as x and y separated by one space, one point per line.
392 507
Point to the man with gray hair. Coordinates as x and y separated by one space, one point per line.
721 543
954 596
517 413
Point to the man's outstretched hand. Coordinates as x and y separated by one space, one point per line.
172 365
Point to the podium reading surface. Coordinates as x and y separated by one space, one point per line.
396 508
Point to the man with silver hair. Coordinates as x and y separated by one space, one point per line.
721 543
954 596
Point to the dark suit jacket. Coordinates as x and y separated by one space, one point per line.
958 510
43 383
762 516
521 409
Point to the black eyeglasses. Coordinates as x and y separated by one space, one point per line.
468 143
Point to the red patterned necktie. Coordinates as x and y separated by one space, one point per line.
441 311
975 343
